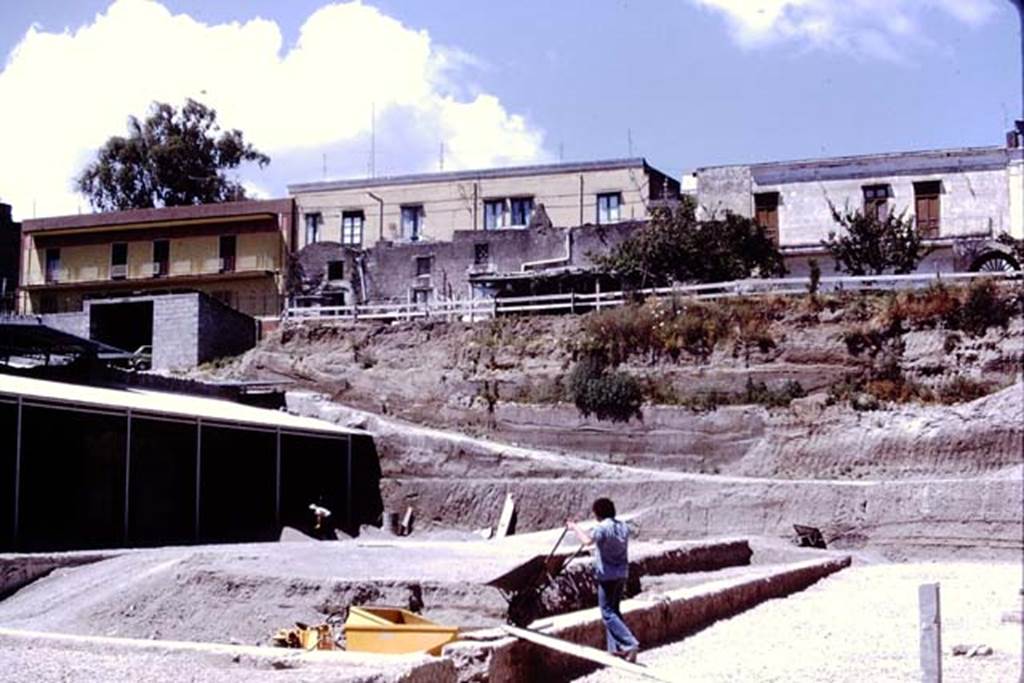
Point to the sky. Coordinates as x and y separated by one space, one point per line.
683 83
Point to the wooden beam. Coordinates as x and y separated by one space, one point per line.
589 653
508 512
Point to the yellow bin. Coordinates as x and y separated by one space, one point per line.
393 630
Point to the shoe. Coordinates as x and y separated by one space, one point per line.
630 655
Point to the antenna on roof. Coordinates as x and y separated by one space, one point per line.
440 162
373 139
629 141
325 166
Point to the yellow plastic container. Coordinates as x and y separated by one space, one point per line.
393 630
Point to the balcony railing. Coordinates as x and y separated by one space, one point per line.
181 268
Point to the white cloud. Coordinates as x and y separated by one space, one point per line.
65 93
872 28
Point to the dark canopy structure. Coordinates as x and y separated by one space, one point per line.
84 467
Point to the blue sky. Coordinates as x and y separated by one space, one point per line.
696 82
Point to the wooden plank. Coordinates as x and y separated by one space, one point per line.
589 653
508 511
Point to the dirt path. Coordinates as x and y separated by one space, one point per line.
858 625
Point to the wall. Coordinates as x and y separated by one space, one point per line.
391 268
449 205
223 331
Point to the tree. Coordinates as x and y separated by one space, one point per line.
173 158
677 247
867 245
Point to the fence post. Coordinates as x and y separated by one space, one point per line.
597 290
572 301
494 307
931 633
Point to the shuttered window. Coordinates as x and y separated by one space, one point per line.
926 207
766 213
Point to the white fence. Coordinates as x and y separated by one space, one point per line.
480 309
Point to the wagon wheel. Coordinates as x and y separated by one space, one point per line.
995 263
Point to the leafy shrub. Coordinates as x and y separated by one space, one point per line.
780 397
924 309
867 245
608 395
983 307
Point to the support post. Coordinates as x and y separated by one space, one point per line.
931 633
199 470
127 471
17 479
348 487
597 290
277 482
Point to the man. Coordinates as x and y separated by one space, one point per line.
611 568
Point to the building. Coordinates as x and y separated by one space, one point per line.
473 264
87 467
174 331
236 252
433 206
10 241
960 199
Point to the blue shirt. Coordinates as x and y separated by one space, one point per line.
612 540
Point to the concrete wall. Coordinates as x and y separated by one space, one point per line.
223 331
978 193
570 198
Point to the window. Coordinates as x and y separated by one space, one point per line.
161 258
118 261
506 212
609 207
335 270
313 221
421 296
481 254
926 207
876 201
522 208
53 265
227 253
352 223
495 216
412 222
766 213
423 265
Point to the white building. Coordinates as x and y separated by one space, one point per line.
960 199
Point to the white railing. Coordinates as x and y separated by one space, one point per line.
478 309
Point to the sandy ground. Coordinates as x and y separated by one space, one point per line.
858 625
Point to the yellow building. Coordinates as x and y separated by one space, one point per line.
236 252
432 206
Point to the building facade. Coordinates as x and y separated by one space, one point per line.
433 206
236 252
959 199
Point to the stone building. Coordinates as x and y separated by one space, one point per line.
960 199
434 206
236 252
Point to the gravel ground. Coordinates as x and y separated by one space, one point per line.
858 625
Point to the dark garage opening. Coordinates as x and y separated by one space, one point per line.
126 325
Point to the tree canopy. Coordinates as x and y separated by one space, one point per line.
677 247
868 245
172 158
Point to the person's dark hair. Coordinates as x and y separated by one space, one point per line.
604 508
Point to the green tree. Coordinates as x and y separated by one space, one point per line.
172 158
677 247
867 245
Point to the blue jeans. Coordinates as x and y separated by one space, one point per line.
609 595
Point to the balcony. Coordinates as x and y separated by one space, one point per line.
183 268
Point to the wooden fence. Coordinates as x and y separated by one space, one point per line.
480 309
